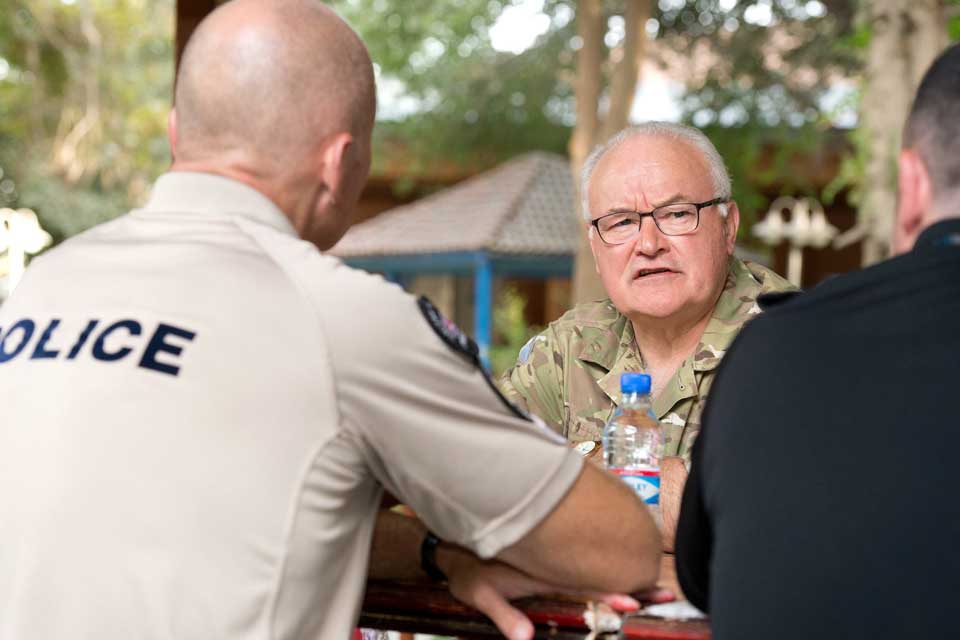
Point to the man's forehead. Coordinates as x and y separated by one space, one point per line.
656 166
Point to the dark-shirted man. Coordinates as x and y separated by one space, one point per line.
822 499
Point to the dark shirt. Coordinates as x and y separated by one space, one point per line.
824 494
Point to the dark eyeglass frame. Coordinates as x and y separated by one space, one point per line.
652 214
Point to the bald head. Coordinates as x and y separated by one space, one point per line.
269 80
279 95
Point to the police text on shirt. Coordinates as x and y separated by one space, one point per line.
106 341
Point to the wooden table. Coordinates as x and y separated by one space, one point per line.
429 608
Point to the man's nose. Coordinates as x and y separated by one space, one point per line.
650 241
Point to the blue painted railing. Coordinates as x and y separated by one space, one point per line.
481 265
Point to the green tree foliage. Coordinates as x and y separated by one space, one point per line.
766 63
850 174
85 86
512 330
768 66
761 70
470 103
953 28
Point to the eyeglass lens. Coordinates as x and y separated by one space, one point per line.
674 219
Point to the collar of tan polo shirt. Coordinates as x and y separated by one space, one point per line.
211 194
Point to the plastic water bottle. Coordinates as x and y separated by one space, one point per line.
632 440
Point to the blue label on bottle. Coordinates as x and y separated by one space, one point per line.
646 484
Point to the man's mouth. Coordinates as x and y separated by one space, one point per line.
643 273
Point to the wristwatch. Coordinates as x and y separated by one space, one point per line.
428 557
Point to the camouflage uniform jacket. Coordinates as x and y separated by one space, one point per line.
569 375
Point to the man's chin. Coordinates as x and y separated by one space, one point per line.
656 295
650 309
653 316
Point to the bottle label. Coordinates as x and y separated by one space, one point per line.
645 483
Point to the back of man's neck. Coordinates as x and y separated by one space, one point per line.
232 170
241 170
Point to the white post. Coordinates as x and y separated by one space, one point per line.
802 230
795 265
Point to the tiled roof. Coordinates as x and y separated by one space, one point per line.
522 207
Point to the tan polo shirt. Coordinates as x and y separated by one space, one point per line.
198 412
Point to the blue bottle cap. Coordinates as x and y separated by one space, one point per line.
634 383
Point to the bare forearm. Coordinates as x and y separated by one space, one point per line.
673 477
599 537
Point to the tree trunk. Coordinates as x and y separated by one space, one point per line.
588 82
590 130
74 154
926 25
626 72
906 36
590 28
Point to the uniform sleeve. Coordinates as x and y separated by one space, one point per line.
535 381
435 430
691 430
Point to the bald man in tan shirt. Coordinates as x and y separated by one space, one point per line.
201 410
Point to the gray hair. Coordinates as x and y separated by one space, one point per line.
695 137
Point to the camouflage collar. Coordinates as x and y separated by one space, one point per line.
736 304
622 359
607 347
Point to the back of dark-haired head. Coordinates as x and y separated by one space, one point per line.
933 127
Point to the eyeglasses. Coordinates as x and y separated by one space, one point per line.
672 220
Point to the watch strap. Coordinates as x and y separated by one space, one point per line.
428 557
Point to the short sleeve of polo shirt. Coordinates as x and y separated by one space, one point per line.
433 430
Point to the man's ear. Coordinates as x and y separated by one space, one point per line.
913 202
731 226
335 162
591 239
172 133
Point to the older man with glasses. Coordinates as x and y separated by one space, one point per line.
662 227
